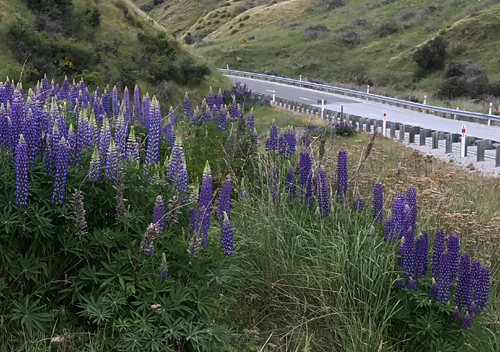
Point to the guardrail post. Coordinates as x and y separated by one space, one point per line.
425 99
361 123
392 131
411 139
422 137
368 126
449 144
455 116
490 112
384 126
480 150
228 67
497 157
274 96
368 88
322 108
435 140
402 130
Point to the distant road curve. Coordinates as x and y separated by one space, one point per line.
369 109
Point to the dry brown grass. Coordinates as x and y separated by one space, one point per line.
457 200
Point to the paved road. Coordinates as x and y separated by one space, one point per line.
369 109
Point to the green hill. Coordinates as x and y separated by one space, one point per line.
346 41
100 41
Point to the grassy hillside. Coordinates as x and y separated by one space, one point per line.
98 41
360 41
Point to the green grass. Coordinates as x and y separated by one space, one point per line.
264 115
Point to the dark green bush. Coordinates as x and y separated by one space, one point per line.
432 55
193 74
385 29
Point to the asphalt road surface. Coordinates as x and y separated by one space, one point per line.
369 109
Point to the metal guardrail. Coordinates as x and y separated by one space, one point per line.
439 109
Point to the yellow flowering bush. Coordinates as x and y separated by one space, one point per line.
238 59
243 41
201 19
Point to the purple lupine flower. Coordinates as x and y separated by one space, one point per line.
412 284
305 171
114 103
21 168
378 202
61 171
411 200
221 120
454 253
467 321
291 187
154 133
170 134
273 136
65 89
178 171
94 167
408 254
5 128
473 308
219 100
137 105
192 218
475 273
421 254
399 283
72 144
224 205
485 278
456 313
388 227
462 291
282 146
146 111
106 100
322 192
171 115
126 102
187 106
159 214
342 178
132 147
205 111
309 191
242 192
233 110
434 289
438 249
210 99
444 278
163 268
291 141
111 161
273 184
251 120
227 236
205 203
398 216
358 203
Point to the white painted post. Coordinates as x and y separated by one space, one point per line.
455 116
228 67
368 88
300 78
490 112
425 99
462 146
322 108
384 124
274 96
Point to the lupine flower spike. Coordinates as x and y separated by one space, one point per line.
227 236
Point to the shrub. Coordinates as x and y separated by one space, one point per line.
331 4
158 2
146 7
165 89
406 14
349 35
432 55
188 39
359 22
192 73
314 31
238 9
385 29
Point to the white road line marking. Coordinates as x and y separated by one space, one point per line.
268 90
306 99
374 115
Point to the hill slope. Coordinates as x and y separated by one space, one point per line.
99 41
364 41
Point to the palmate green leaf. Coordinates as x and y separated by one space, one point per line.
30 266
96 309
179 295
9 220
173 329
31 315
116 300
204 303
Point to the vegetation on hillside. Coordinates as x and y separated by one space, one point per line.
354 42
100 42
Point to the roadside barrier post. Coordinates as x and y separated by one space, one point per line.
462 149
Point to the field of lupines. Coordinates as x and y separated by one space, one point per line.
110 242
